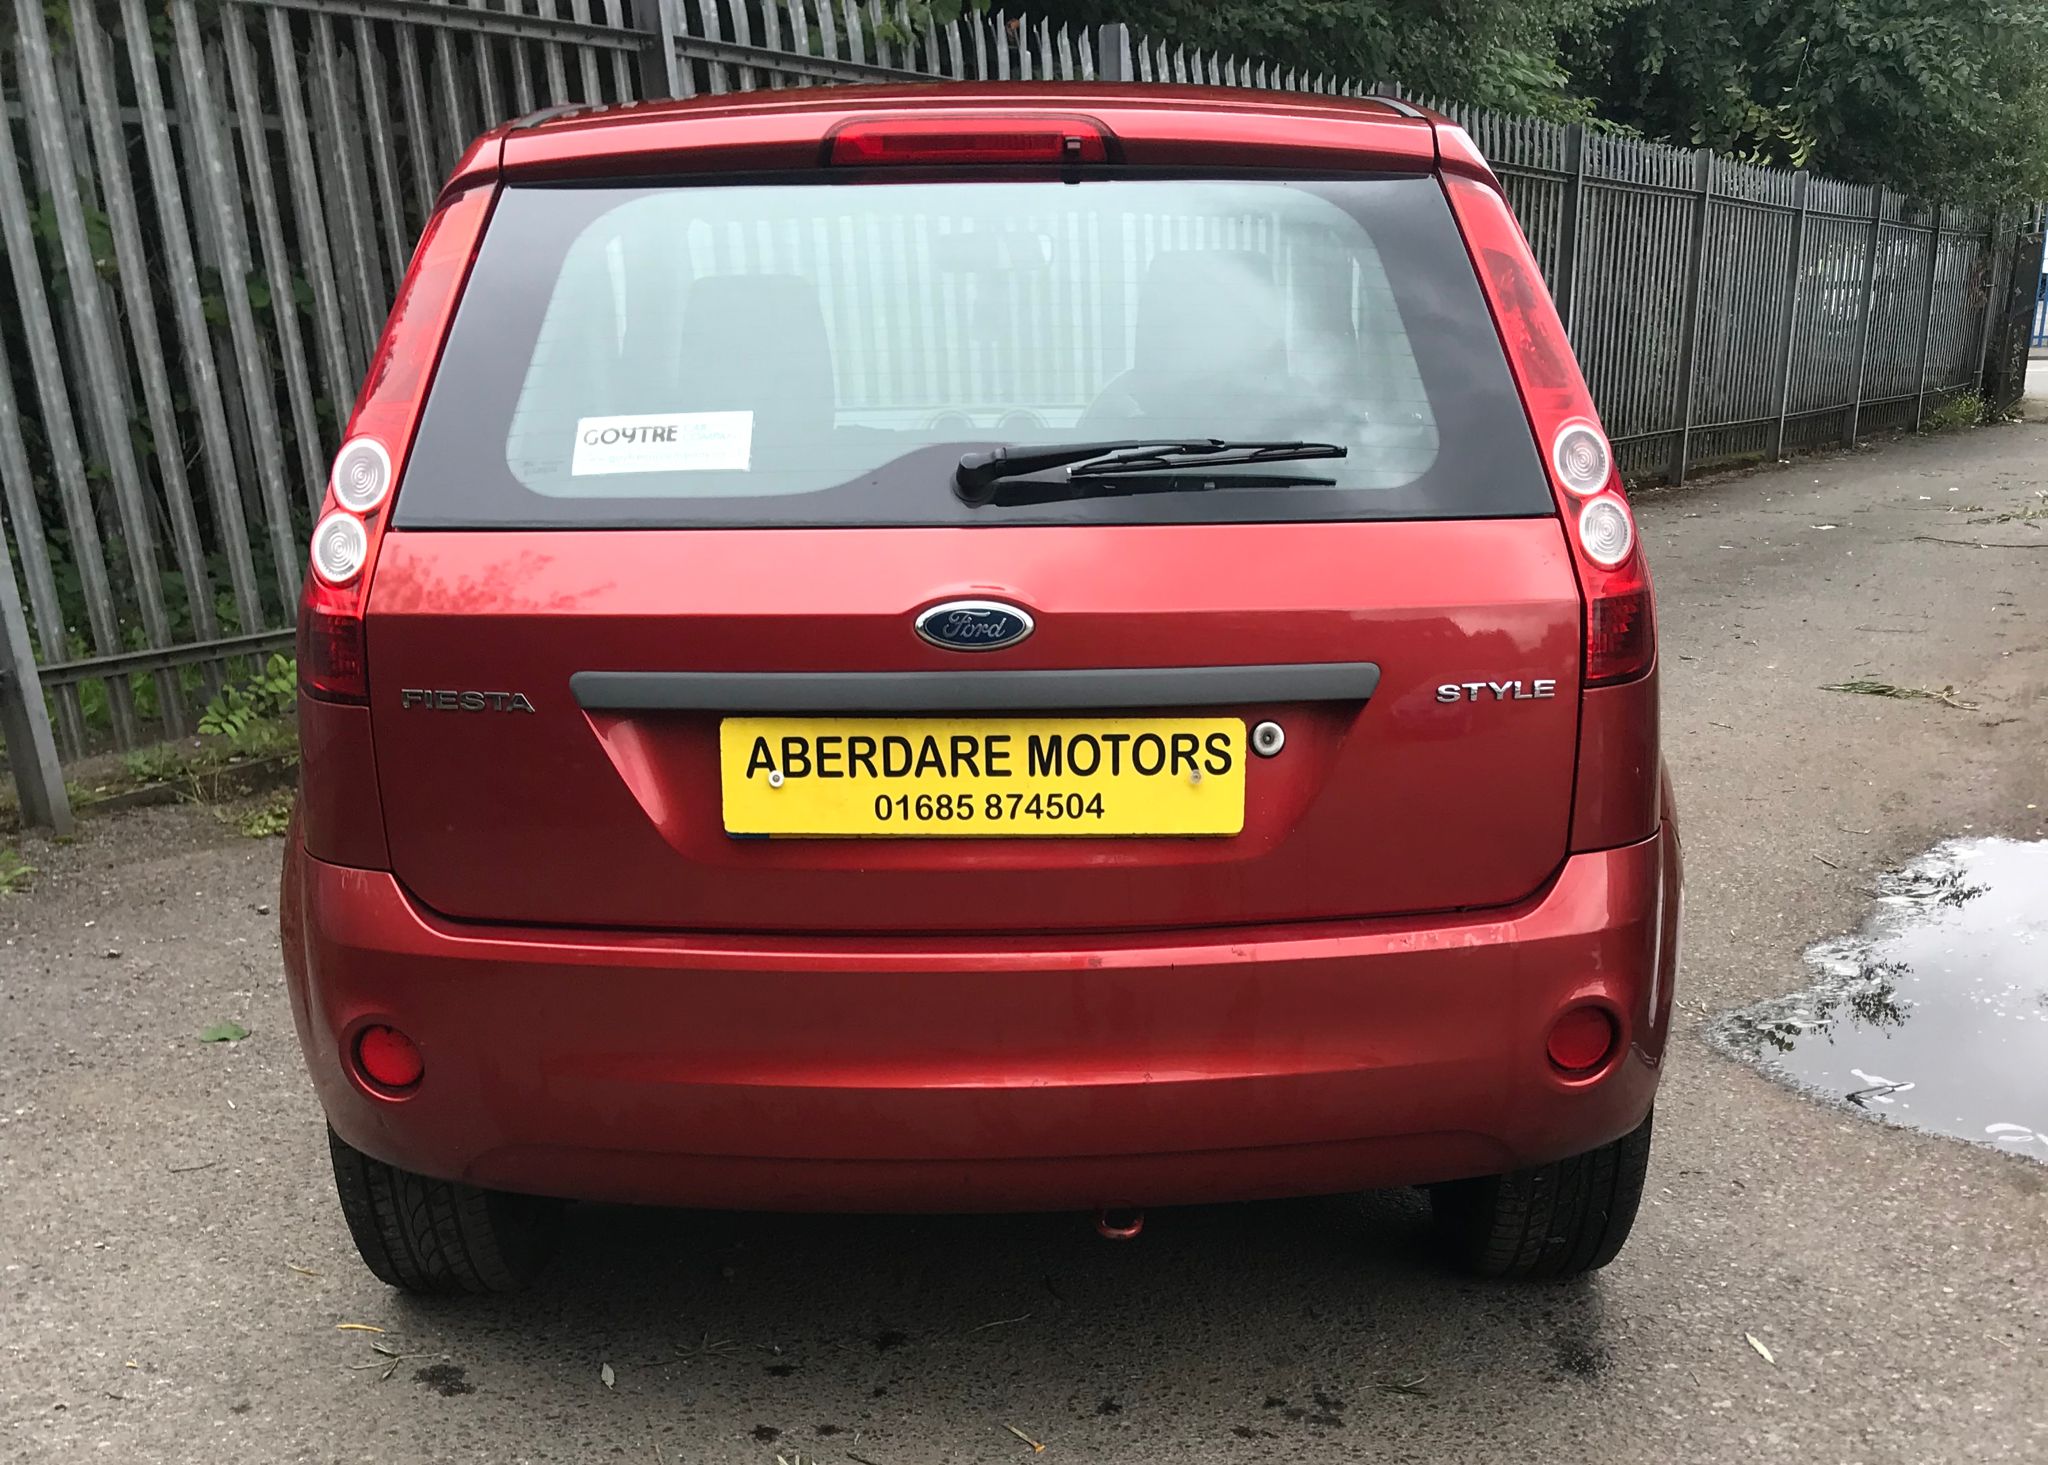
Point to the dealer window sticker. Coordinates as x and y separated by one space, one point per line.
663 442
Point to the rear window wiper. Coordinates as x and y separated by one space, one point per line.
1117 467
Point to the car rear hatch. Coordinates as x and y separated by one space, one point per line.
684 496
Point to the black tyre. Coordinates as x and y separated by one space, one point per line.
440 1236
1555 1221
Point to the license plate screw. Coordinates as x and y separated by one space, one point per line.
775 778
1195 775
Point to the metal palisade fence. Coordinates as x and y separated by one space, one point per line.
206 206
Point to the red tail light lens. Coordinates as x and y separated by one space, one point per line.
910 141
331 664
364 482
1620 630
1621 634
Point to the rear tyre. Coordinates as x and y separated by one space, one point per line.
1555 1221
441 1237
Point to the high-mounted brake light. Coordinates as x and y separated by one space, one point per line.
1620 638
332 665
928 141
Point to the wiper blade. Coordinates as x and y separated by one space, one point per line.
1154 478
1213 454
976 477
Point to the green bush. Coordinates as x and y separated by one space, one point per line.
249 713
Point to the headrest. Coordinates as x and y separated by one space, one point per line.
1205 311
758 343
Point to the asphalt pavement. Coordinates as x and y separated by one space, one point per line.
176 1284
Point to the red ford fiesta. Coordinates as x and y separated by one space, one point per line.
978 648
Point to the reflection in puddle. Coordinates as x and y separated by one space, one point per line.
1936 1014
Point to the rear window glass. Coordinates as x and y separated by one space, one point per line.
816 352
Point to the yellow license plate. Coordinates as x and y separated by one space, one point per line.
981 778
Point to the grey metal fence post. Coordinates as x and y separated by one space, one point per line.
1927 314
1869 301
1695 299
1568 225
25 716
2005 371
1994 256
659 75
1795 278
1113 53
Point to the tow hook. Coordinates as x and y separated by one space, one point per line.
1118 1223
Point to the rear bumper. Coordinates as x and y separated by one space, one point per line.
957 1074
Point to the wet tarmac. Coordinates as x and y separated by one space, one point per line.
1935 1015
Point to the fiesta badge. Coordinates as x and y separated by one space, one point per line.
974 625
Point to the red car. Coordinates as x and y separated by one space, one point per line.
978 647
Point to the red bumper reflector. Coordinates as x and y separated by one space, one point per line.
1581 1040
942 140
388 1058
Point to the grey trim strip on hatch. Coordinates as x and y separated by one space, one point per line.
972 691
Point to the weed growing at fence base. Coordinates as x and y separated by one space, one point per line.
250 714
265 819
248 742
14 872
1964 409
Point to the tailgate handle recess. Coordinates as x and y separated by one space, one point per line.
972 691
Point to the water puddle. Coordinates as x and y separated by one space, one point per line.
1935 1015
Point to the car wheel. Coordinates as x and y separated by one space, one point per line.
1555 1221
440 1236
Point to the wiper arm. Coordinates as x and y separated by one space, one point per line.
1153 478
976 477
979 472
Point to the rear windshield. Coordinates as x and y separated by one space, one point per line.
817 352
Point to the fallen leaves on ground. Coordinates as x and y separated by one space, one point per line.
387 1360
1866 687
223 1032
1761 1351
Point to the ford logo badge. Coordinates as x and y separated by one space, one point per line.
974 625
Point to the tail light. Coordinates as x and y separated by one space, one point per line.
363 483
1620 637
